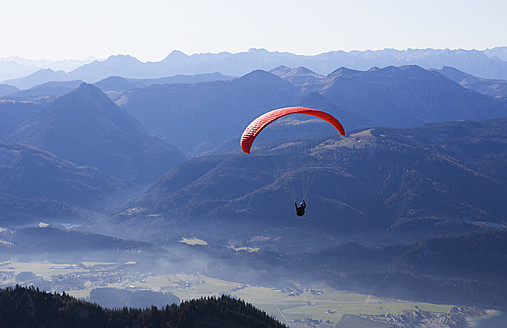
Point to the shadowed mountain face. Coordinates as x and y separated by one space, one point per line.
375 180
464 269
15 112
87 128
35 184
55 241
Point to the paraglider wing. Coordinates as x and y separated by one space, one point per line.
257 125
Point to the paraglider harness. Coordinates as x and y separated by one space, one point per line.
300 211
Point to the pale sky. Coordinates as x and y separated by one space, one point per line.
150 29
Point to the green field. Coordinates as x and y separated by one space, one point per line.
246 249
41 268
317 302
193 241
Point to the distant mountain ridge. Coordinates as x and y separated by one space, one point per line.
39 77
408 96
48 89
16 67
202 115
490 87
6 89
38 85
486 64
396 96
218 111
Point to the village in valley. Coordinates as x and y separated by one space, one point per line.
296 305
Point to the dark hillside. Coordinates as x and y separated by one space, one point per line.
15 112
27 307
470 256
481 145
373 181
35 184
466 269
57 243
16 211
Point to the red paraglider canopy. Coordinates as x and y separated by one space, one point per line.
257 125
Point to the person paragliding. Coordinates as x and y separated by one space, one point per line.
300 211
256 126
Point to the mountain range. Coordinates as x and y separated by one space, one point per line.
217 111
87 128
15 66
112 85
490 63
397 207
408 96
441 178
202 115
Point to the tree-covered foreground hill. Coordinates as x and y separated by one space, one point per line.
28 307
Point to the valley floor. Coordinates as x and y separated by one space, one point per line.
296 305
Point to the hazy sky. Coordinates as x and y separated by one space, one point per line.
151 29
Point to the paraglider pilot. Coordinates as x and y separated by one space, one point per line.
300 211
